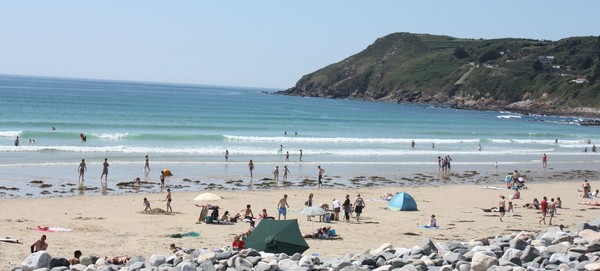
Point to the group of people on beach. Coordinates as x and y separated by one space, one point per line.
444 163
83 168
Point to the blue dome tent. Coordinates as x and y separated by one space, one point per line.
402 202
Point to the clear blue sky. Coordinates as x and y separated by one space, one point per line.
266 43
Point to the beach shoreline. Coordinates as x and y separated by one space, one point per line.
114 225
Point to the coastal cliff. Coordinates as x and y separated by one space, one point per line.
520 75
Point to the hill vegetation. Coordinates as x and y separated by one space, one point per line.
523 75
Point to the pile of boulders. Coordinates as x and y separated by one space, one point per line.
551 249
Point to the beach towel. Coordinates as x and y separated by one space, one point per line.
51 229
187 234
430 228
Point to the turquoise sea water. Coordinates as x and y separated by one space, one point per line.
187 128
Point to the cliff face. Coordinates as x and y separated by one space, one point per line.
527 76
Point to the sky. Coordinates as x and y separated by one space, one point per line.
266 44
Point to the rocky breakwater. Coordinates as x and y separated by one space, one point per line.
551 249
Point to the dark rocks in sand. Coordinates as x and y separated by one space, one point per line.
36 182
45 192
46 185
9 188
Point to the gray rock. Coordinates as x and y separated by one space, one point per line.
503 262
529 254
306 261
355 268
558 248
578 249
42 269
136 265
531 265
186 266
386 255
417 251
383 268
340 263
451 257
243 264
409 267
252 252
135 259
397 262
60 268
254 260
262 266
563 238
513 255
517 244
381 248
57 262
428 246
296 257
287 265
157 259
464 267
587 226
177 260
207 265
558 258
36 260
208 255
224 255
581 265
282 256
482 261
594 246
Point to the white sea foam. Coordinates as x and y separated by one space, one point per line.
110 137
508 117
349 140
10 133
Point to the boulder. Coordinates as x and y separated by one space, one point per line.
383 268
592 267
186 266
243 264
558 258
287 265
428 246
587 226
381 248
558 248
593 246
306 261
529 254
517 244
482 261
55 262
262 266
210 256
157 259
590 235
135 259
36 260
136 265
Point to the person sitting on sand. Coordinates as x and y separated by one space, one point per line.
75 259
225 217
248 213
250 230
595 194
510 207
39 244
432 222
558 202
264 215
174 248
147 205
534 205
116 260
238 243
517 194
235 218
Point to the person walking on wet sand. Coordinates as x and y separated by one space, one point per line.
226 155
544 160
320 181
104 170
276 175
285 172
147 164
251 168
168 200
502 207
300 155
82 169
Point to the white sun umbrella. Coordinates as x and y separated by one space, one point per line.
313 211
207 197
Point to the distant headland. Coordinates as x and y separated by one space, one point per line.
519 75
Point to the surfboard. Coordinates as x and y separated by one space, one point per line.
9 240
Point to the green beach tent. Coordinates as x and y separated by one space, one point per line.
277 236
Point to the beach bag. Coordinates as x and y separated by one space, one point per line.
328 218
208 219
331 232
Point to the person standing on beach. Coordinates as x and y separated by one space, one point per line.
359 205
544 160
82 169
287 156
544 209
282 207
586 189
226 155
251 168
147 164
551 210
320 181
479 147
502 207
168 200
104 170
276 175
300 155
336 209
309 203
347 208
162 179
286 171
147 205
412 144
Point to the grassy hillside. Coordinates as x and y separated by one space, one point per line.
404 67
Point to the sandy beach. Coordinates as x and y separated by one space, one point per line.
116 225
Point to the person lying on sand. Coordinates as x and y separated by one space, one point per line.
593 203
116 260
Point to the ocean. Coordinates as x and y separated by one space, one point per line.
187 128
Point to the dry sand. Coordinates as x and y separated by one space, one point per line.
116 225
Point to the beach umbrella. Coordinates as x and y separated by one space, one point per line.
207 197
277 236
313 211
